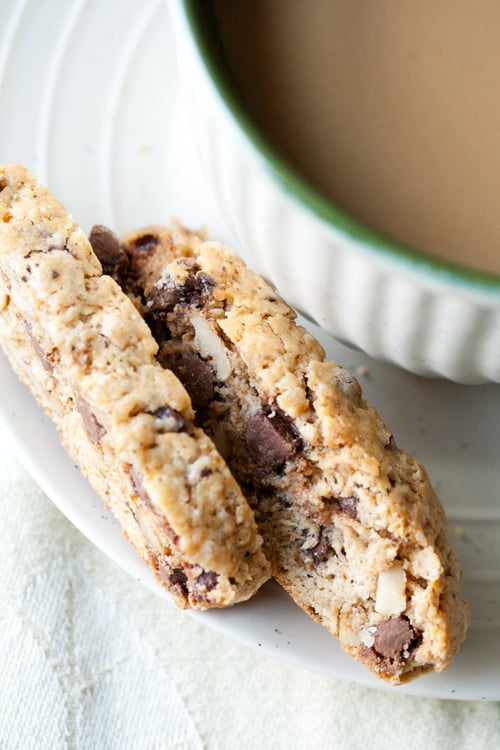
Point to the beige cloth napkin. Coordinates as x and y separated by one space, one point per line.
90 659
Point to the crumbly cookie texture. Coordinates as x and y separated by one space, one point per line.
351 524
78 342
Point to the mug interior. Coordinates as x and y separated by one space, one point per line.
202 21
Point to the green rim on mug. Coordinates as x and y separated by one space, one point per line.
201 18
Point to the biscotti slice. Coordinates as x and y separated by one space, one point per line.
351 524
77 341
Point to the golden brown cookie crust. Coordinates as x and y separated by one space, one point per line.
351 523
78 342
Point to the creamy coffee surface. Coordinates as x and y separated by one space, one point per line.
390 108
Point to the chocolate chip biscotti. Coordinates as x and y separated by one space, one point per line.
78 342
351 523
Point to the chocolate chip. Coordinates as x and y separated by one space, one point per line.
106 246
349 505
196 289
42 356
146 242
3 185
207 580
158 327
321 551
167 293
395 638
271 440
204 282
164 297
390 444
179 579
38 349
92 426
197 377
172 420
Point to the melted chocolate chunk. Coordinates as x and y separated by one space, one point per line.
204 282
172 420
146 242
164 298
271 440
348 505
167 294
321 551
3 185
38 349
395 638
136 253
391 444
197 377
42 356
158 327
105 244
179 579
207 580
93 427
196 288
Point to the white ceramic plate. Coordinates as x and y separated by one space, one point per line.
91 103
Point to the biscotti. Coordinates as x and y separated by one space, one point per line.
78 342
351 524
